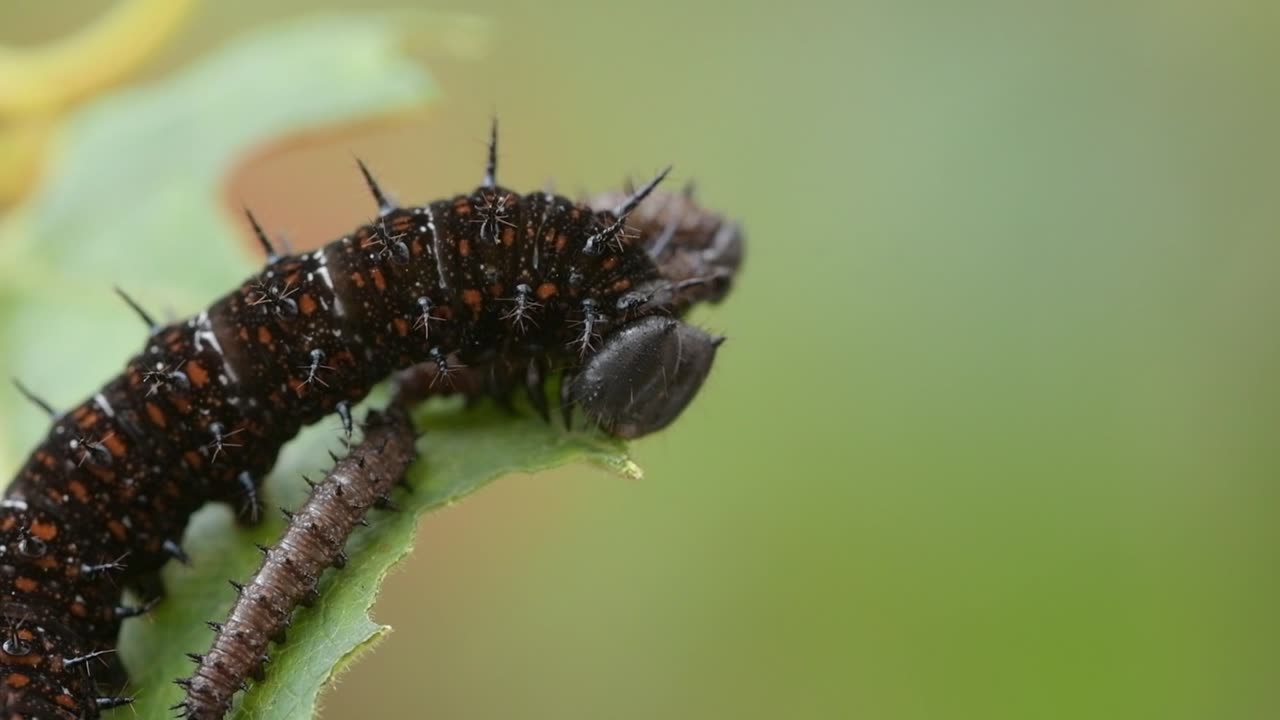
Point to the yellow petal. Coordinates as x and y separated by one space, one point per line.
42 79
22 150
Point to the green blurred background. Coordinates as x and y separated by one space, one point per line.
995 431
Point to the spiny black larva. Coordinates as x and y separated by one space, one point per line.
489 285
291 569
265 605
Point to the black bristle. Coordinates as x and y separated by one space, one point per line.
491 165
133 304
633 201
261 235
385 205
34 399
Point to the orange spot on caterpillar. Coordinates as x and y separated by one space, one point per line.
156 415
199 376
79 490
44 530
473 299
115 445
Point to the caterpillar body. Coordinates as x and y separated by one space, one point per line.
489 284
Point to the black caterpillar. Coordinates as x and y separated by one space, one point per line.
291 569
493 285
314 541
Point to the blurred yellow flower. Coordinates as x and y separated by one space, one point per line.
38 84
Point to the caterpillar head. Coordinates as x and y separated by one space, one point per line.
697 251
649 369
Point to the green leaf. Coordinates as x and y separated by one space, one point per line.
132 198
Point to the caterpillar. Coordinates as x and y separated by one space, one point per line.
489 284
316 534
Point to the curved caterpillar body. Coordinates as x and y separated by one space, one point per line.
672 227
290 570
492 283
